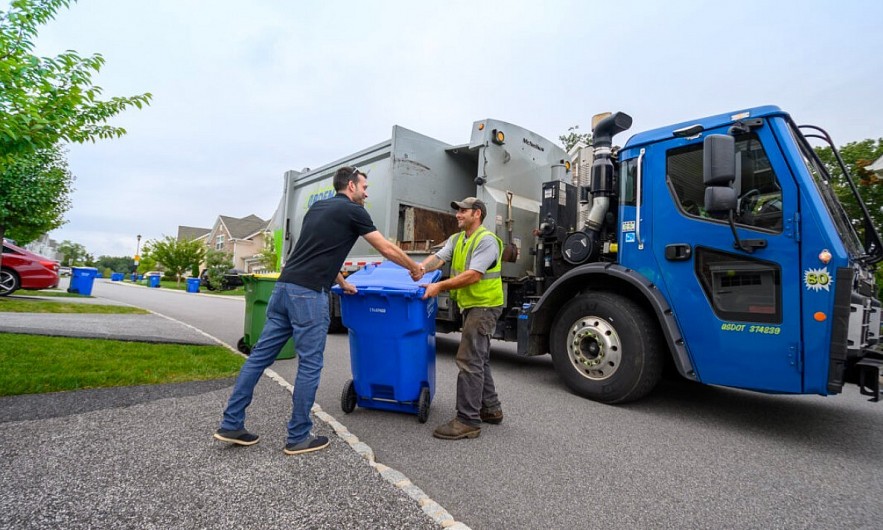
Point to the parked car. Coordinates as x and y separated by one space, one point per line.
22 269
232 279
64 271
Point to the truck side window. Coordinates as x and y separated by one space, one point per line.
760 196
740 288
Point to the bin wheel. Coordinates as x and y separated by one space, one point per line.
348 397
243 347
423 405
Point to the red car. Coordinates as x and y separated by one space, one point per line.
22 269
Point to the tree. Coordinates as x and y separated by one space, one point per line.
572 138
34 194
47 100
73 254
269 257
217 263
856 156
177 256
115 263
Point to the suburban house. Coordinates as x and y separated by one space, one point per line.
242 238
877 167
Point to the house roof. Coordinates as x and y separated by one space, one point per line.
877 166
245 227
192 232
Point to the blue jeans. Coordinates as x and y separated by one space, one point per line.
292 311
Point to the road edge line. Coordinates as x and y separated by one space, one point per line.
398 479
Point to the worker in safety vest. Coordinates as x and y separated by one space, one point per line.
475 255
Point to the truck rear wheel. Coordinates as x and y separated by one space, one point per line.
606 348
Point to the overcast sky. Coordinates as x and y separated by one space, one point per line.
244 91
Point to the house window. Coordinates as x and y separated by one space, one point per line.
219 243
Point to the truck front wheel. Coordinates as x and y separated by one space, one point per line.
606 348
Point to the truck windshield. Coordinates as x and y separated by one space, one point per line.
823 182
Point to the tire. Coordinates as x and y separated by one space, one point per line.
348 397
336 326
243 347
423 405
606 348
9 282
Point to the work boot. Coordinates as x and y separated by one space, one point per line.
455 430
491 416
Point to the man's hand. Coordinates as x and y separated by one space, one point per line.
418 273
432 289
348 288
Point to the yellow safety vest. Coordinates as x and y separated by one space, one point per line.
487 292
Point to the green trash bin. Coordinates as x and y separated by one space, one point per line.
258 288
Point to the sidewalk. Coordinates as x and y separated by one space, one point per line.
143 457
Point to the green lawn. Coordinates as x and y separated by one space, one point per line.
53 293
36 364
171 284
10 305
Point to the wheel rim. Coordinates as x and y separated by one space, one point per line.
594 348
7 282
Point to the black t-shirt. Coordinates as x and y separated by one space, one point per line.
330 229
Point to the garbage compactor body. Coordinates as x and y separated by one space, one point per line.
392 340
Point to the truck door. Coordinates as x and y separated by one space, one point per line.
738 311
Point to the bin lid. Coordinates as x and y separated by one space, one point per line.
389 277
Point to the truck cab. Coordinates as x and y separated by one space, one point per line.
731 240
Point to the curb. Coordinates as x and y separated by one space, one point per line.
431 508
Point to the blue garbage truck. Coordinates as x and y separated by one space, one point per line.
716 247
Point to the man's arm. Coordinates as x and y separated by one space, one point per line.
432 263
347 287
394 254
467 277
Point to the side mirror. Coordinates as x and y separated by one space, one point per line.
719 173
722 177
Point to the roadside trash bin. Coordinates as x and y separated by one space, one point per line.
192 285
258 288
116 276
392 341
153 281
82 279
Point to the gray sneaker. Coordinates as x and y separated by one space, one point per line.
313 443
239 437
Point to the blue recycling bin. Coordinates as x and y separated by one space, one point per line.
192 285
82 279
392 341
153 281
116 276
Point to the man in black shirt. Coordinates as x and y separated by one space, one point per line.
298 307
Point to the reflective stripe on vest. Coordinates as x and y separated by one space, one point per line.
487 292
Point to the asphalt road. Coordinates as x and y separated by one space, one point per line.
688 456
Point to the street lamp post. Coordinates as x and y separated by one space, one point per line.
137 250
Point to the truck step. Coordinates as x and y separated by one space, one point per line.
869 375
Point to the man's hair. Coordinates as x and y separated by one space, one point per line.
345 175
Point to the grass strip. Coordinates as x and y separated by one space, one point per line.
19 305
54 293
34 364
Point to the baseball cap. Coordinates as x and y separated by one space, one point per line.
470 203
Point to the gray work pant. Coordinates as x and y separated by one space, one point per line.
475 385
